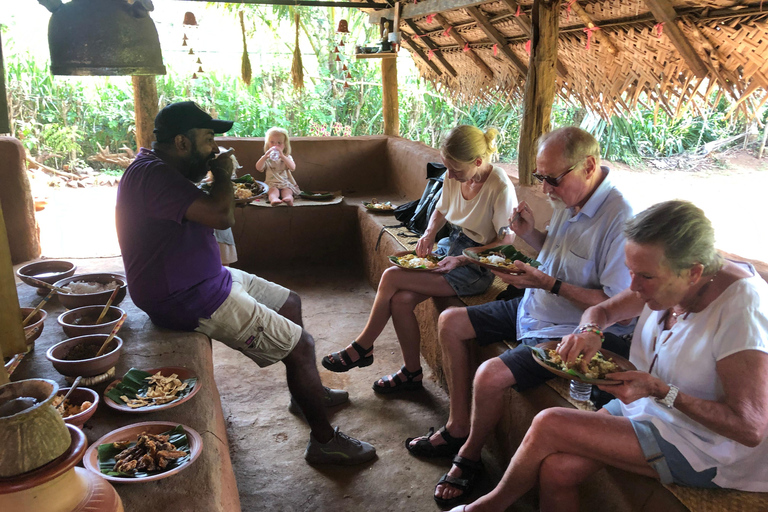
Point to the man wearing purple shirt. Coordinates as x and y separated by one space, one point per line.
165 228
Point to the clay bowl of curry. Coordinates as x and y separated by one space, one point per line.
78 407
77 356
82 321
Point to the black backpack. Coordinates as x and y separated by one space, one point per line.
415 215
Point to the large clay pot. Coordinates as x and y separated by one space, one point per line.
60 486
33 434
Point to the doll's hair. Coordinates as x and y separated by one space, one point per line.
274 130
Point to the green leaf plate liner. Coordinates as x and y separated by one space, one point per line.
134 384
542 355
107 453
508 251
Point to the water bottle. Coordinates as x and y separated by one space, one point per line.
274 155
580 391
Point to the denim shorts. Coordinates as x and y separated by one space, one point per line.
663 457
469 279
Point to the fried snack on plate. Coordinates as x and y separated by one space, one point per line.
597 368
161 390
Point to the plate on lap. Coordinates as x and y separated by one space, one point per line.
603 363
168 392
408 260
500 258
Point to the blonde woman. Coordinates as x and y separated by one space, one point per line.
477 200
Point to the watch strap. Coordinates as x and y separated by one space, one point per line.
669 400
556 287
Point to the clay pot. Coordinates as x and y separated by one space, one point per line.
85 367
69 320
34 328
77 300
59 486
33 433
48 271
77 397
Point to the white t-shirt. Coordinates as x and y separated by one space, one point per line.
736 321
481 217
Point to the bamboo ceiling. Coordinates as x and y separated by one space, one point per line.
664 54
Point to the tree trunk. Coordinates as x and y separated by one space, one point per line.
145 106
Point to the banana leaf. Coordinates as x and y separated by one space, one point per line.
245 178
543 356
108 451
508 251
134 384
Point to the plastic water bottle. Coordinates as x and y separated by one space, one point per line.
274 155
580 391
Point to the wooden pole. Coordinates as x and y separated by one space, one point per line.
389 97
11 333
539 85
5 122
145 109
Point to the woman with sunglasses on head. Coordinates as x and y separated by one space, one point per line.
476 200
695 411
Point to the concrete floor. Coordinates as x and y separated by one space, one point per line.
267 442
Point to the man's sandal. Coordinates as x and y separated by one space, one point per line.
341 362
424 448
393 384
470 470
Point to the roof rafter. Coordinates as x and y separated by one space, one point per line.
432 46
602 36
498 38
665 13
418 51
462 42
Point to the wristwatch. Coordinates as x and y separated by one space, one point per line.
556 287
669 400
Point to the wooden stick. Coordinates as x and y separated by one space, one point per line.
38 308
116 328
46 285
106 307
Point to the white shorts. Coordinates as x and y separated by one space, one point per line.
248 320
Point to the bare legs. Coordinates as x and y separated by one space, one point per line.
280 195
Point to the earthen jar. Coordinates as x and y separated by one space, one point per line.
59 486
33 436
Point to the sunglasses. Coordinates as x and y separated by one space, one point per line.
553 182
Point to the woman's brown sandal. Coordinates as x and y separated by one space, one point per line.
340 362
393 384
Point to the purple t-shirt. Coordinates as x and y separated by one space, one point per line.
172 264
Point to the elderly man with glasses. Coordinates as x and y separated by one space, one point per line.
582 264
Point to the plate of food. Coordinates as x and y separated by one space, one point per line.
316 196
409 261
144 452
603 363
501 258
377 207
152 390
245 187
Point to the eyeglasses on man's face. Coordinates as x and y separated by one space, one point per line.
553 182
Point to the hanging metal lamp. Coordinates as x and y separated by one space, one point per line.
103 37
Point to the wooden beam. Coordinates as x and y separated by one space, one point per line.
145 106
12 340
471 53
390 107
420 9
5 122
498 38
432 46
664 13
522 21
418 51
539 86
600 34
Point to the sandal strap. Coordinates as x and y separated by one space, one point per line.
461 484
410 375
468 467
342 357
362 352
448 438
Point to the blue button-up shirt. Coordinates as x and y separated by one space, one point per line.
585 249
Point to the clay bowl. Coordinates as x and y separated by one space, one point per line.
70 320
77 397
85 367
77 300
48 271
34 328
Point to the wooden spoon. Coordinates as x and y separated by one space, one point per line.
106 307
38 308
74 385
116 328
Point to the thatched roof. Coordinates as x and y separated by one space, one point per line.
662 53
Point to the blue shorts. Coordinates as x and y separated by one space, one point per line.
468 279
663 457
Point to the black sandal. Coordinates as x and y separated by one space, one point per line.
470 470
342 362
424 448
392 384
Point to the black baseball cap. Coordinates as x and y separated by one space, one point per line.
181 117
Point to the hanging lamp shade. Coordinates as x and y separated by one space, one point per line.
103 37
342 27
189 19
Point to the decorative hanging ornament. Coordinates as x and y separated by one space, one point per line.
191 52
194 76
589 31
342 27
495 50
430 17
341 43
466 47
185 37
200 69
198 61
659 27
189 19
349 75
344 67
517 12
338 59
335 49
346 85
528 47
430 54
184 42
447 31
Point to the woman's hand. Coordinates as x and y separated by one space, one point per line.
634 386
450 262
572 345
424 246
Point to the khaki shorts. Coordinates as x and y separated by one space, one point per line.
248 320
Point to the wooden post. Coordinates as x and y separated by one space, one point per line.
11 333
539 85
389 97
145 109
5 122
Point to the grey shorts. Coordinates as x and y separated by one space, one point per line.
663 457
248 321
468 279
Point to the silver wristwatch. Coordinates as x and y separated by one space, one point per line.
669 400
